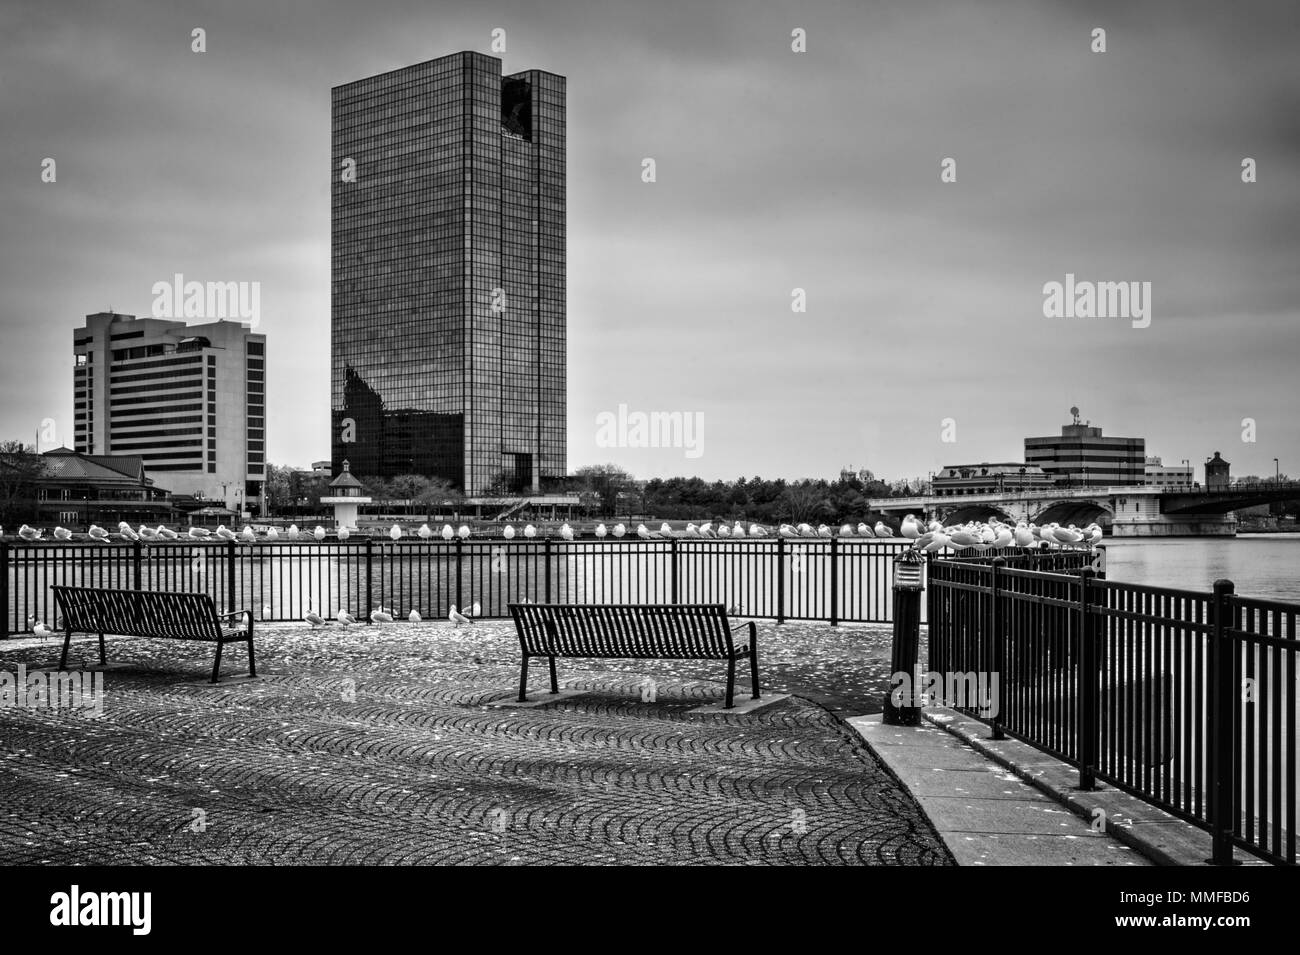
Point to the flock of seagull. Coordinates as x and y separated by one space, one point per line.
930 537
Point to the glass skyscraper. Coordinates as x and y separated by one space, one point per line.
448 274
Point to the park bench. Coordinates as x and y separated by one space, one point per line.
635 631
141 613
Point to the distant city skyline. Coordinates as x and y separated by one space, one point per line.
774 171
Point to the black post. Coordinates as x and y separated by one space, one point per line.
4 590
365 611
998 656
907 642
136 551
672 557
460 593
780 580
546 561
835 585
1088 684
230 577
1222 725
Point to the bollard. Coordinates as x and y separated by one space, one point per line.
907 641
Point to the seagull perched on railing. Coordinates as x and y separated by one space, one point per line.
756 530
447 532
272 534
424 533
620 530
910 528
125 532
166 533
318 533
293 532
642 532
530 531
29 533
395 532
1022 536
345 618
224 533
691 531
846 530
823 531
463 532
865 531
147 534
457 618
600 531
785 530
882 530
247 535
62 534
508 533
98 533
343 533
566 531
200 533
724 530
666 529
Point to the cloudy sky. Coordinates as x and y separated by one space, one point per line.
776 170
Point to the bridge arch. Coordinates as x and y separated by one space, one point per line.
962 513
1078 512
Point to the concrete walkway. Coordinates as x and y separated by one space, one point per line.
984 813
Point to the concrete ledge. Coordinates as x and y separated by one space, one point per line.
1160 837
535 699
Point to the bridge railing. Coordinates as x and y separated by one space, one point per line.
1186 699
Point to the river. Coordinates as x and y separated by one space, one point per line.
1260 565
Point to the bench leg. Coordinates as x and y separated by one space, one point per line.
731 680
753 658
555 686
216 664
523 682
103 657
252 666
63 660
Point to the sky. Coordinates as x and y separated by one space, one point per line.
924 341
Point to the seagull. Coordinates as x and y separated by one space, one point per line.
62 533
200 533
247 535
343 533
414 616
707 531
293 532
1022 536
424 533
963 538
447 532
225 533
805 530
463 532
619 530
1094 533
166 533
272 534
318 533
1067 535
508 533
530 531
476 610
823 531
1004 537
266 611
395 532
600 531
380 616
756 530
345 618
692 531
98 533
665 529
42 631
29 533
642 533
909 528
724 530
785 530
146 533
315 619
566 531
939 542
846 530
882 530
456 617
865 531
125 532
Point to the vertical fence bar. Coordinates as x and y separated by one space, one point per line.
460 575
546 561
835 584
136 553
674 583
230 576
780 580
1087 682
4 589
370 557
998 655
1222 710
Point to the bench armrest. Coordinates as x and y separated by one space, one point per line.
234 613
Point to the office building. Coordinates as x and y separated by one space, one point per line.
448 275
188 400
1082 456
1171 476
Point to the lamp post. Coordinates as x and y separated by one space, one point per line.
1277 472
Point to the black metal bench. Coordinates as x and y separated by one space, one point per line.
635 631
142 613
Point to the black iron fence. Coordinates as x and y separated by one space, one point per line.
806 579
1186 699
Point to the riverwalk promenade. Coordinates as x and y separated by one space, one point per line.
402 744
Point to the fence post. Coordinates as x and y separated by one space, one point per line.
460 564
4 590
230 576
998 656
1222 725
370 554
780 580
835 585
672 557
136 552
546 561
1086 682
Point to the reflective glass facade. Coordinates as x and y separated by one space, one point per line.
448 307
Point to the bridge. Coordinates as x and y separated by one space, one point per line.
1130 510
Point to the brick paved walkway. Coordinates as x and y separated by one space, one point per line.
380 745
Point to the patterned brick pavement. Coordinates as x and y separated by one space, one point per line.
381 746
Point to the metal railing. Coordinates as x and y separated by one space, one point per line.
781 579
1185 699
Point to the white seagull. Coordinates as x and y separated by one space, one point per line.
619 530
62 533
247 535
318 533
530 531
447 532
272 534
882 530
315 619
865 531
224 533
600 531
414 616
344 533
29 533
199 533
457 618
345 618
146 533
42 631
98 533
395 532
425 532
380 616
566 531
293 532
508 533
